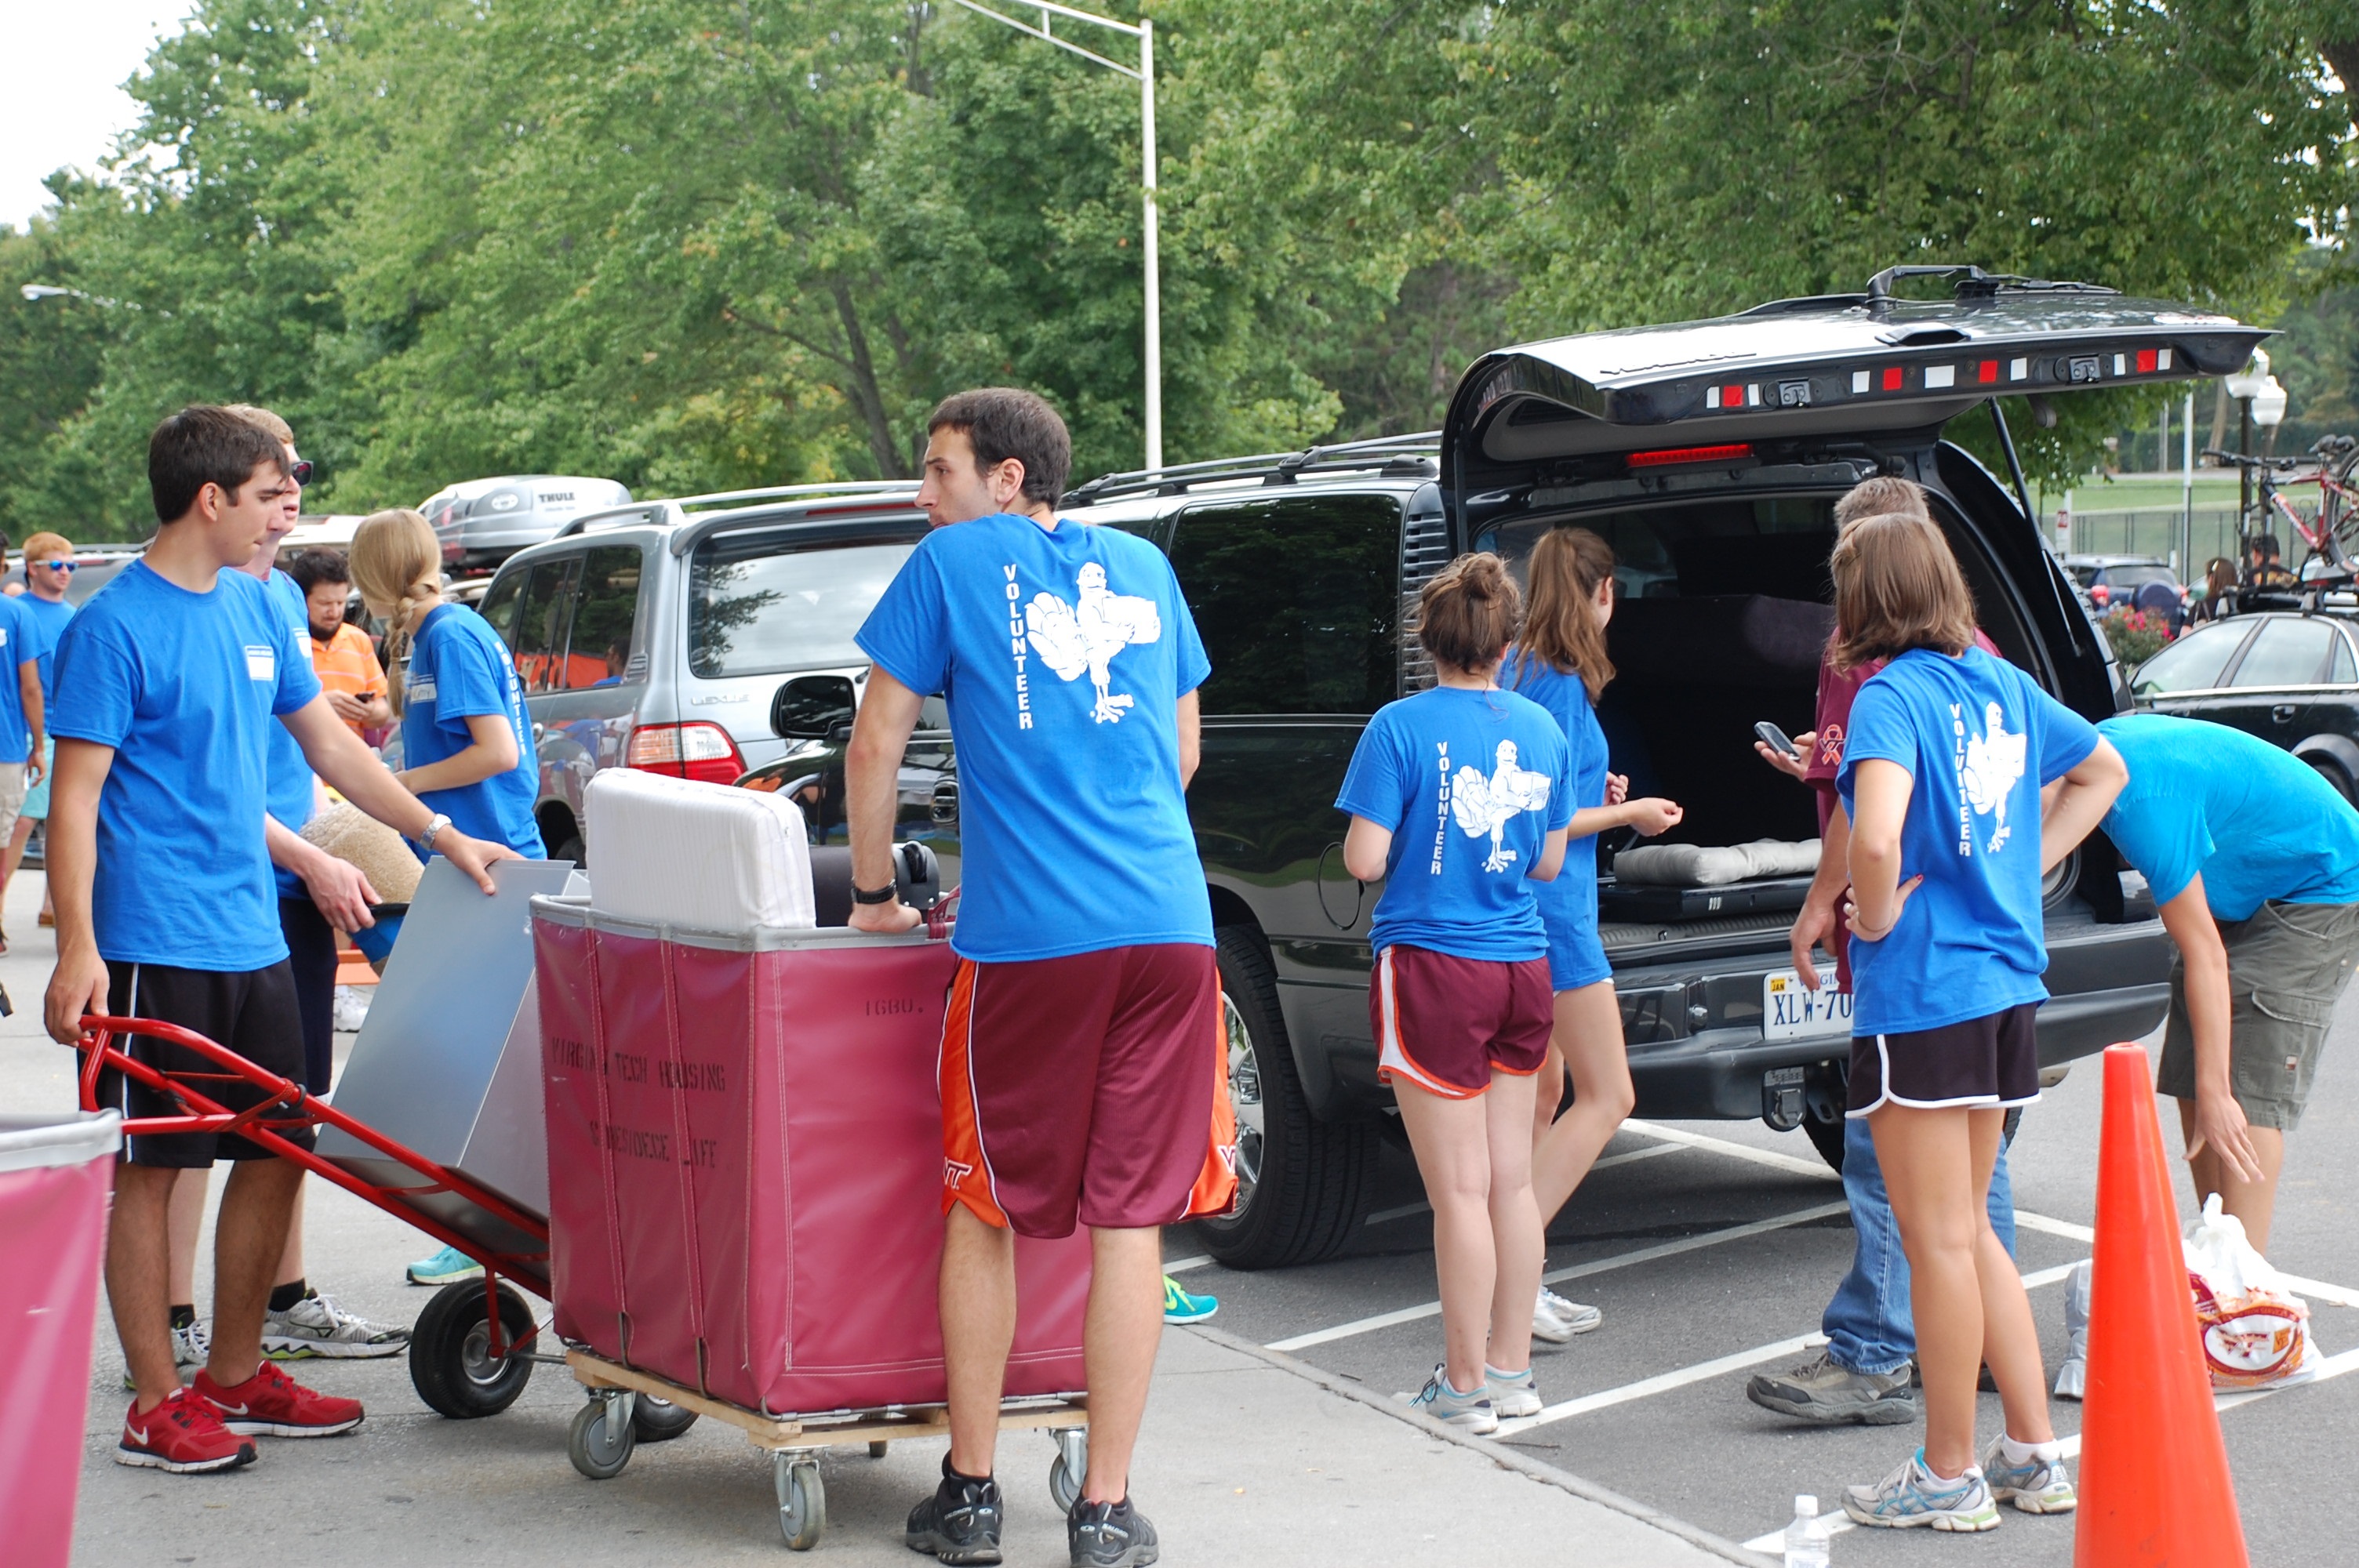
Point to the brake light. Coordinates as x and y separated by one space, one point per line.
1671 455
697 750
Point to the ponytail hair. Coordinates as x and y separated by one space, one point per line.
397 563
1568 565
1468 614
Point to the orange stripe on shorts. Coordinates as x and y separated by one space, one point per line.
966 1170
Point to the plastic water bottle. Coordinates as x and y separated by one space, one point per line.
1806 1538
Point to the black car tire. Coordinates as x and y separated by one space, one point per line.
572 850
1305 1184
1827 1137
2336 779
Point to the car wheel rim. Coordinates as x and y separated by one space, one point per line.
1244 1098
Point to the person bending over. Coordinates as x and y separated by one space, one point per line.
1460 798
1083 1064
168 679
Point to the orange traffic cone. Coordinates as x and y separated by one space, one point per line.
2155 1491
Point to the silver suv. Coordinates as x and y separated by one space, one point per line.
700 637
485 521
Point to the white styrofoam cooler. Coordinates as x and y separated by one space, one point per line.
704 857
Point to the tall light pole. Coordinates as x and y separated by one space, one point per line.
1144 31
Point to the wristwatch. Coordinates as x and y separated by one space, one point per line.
885 894
425 839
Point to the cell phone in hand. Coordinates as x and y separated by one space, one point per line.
1776 739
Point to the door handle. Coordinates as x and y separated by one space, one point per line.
944 806
2282 713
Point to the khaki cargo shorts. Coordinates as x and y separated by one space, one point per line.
12 798
2287 965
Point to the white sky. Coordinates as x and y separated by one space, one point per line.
61 98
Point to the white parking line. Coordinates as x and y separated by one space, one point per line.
1774 1541
1601 1265
1383 1216
1816 1168
1176 1266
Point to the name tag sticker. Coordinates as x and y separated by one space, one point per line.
418 691
261 664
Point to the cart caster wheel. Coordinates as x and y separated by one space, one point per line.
659 1421
876 1449
601 1439
802 1502
1070 1467
450 1361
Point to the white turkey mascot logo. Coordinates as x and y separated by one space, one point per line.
1487 806
1087 635
1994 764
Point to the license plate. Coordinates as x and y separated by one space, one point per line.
1792 1011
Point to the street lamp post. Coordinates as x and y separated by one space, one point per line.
1144 31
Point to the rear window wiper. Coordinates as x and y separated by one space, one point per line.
1973 283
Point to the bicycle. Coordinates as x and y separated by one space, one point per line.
2331 464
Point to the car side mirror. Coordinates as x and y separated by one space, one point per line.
812 707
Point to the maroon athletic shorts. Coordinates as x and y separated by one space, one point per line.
1092 1087
1446 1023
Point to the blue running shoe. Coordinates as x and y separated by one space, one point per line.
1468 1412
1910 1496
2037 1486
445 1266
1178 1306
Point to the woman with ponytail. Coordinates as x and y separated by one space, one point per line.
466 743
1559 663
1459 798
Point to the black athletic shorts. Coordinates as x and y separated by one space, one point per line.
252 1012
1981 1063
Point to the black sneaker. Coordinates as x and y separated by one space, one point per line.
959 1524
1109 1535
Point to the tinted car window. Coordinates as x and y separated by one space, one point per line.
605 618
757 606
2287 653
1296 601
499 606
547 602
2118 577
2192 663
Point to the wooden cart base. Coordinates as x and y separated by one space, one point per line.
615 1422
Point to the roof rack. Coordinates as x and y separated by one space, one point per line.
1410 455
652 510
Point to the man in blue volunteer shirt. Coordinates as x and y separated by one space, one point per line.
2254 860
170 678
21 717
50 569
1079 1054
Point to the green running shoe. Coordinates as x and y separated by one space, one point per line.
1178 1306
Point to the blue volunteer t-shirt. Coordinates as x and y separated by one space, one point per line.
185 687
1472 784
1064 656
19 640
1570 901
458 668
49 618
2257 822
1979 739
291 794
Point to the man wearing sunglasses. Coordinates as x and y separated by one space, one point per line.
48 572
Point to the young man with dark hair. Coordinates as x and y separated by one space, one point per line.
168 679
1081 1053
341 656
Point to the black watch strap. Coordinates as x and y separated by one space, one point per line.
885 894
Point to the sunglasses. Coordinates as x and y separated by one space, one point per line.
300 472
60 566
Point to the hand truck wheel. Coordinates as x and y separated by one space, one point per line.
450 1361
601 1441
803 1499
659 1420
1070 1467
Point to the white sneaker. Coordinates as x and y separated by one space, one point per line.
191 1347
1557 1320
1468 1412
316 1326
1512 1394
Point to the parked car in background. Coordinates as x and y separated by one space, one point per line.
93 569
2291 679
485 521
702 637
1710 454
2120 582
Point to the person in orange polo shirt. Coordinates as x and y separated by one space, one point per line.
341 654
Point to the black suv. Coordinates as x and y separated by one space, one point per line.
1710 454
2291 679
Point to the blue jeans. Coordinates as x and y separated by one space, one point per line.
1868 1327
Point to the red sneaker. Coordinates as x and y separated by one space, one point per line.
272 1404
181 1434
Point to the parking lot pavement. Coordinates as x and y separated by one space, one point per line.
1712 1248
1244 1454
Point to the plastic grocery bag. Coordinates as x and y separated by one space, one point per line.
2255 1331
2073 1376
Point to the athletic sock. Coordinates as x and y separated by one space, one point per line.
283 1297
1493 1375
2016 1453
956 1476
184 1315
